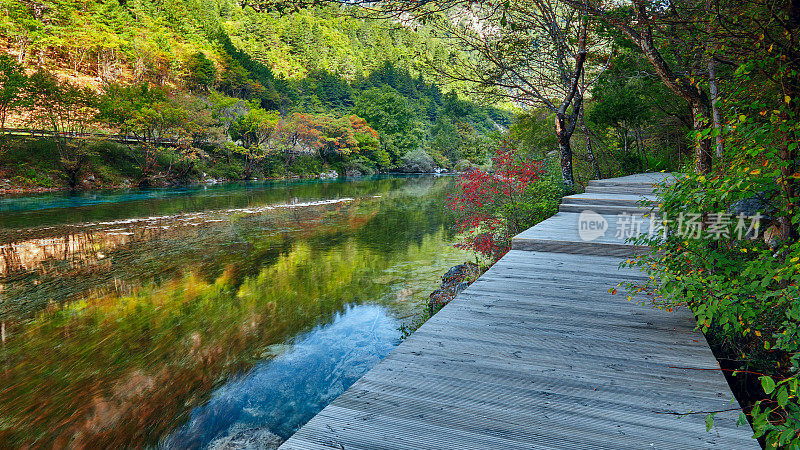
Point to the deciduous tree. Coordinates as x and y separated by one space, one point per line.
66 112
13 91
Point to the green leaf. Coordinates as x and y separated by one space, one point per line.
742 419
710 421
767 384
783 396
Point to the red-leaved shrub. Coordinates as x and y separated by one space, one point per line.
493 206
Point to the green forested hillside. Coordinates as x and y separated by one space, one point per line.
218 87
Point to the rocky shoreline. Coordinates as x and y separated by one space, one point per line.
454 281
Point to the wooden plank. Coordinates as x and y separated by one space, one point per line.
516 408
537 354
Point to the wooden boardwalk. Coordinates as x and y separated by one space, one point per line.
537 354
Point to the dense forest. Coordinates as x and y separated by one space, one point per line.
218 90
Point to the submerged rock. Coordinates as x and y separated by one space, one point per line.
247 439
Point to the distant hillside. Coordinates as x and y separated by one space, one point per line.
314 68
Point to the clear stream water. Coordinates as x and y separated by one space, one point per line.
189 318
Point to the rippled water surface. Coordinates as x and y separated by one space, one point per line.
206 316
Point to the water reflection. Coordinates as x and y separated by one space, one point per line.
74 261
120 331
280 393
74 249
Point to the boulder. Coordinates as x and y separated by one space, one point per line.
758 203
441 297
460 272
772 237
454 281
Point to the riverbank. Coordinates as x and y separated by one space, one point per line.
9 186
32 167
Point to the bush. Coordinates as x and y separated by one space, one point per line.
492 207
417 161
359 166
305 165
463 166
730 252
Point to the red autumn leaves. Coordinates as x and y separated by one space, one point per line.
483 199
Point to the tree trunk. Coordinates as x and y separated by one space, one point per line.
2 131
639 151
623 134
592 159
702 149
788 155
565 150
589 150
713 91
788 189
21 45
